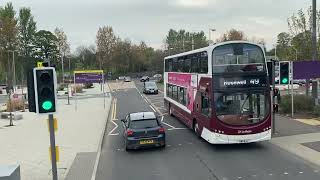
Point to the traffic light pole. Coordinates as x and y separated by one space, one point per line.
53 148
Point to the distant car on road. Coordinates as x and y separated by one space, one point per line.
127 79
121 77
143 129
144 78
150 87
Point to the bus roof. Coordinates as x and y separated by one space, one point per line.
211 47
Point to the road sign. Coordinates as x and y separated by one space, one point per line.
88 76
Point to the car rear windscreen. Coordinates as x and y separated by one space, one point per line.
142 124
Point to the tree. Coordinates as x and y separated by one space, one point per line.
8 38
105 41
181 41
8 28
62 42
46 46
300 28
232 35
63 47
27 30
284 46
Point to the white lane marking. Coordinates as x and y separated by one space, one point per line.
285 173
300 172
168 125
176 129
162 119
152 108
111 132
270 174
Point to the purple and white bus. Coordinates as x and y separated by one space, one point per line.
221 92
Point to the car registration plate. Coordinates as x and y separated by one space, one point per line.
146 142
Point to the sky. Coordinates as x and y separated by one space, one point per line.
150 20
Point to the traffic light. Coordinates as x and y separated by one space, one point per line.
45 89
284 72
270 71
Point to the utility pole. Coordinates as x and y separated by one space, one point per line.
314 30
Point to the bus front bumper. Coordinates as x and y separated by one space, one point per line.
216 138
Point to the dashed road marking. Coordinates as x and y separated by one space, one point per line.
285 173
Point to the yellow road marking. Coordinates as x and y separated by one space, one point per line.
312 122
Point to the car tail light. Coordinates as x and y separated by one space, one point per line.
129 132
161 130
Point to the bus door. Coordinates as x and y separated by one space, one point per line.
203 109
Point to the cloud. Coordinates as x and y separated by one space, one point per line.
192 3
150 20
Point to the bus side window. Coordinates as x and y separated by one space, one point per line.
169 65
181 95
169 90
195 63
180 65
204 63
187 65
174 65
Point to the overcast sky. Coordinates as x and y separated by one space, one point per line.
150 20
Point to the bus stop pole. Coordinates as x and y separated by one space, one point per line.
273 98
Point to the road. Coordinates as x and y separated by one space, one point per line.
187 157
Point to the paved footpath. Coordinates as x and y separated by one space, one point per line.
300 137
79 130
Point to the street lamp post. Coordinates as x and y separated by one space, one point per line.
213 30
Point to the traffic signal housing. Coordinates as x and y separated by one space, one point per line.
284 73
45 89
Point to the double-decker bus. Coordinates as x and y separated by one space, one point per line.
221 91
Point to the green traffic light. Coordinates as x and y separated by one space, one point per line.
47 105
284 80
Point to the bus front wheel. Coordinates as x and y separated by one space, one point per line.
196 127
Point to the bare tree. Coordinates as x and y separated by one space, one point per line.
63 46
105 41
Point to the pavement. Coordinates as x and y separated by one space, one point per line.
80 128
186 157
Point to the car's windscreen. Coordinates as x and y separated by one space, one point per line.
142 124
150 85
